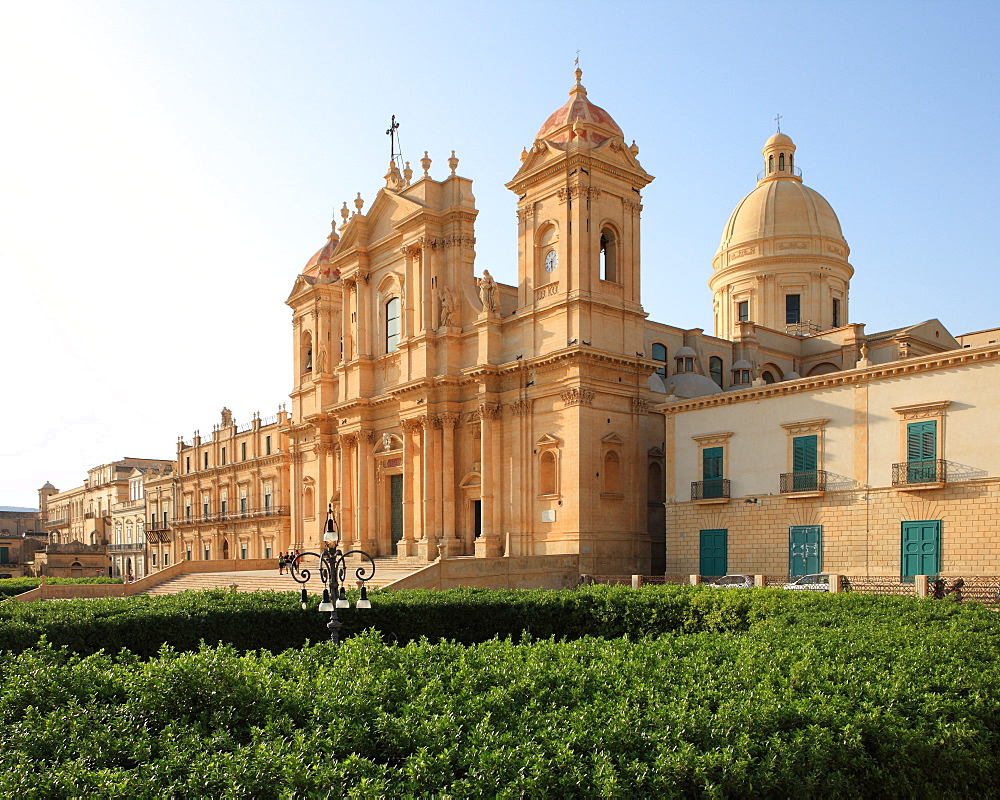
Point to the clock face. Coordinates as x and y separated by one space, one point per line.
551 261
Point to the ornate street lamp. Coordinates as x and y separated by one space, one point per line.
332 571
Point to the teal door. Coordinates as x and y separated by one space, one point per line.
396 509
711 474
4 555
805 549
921 548
803 466
921 452
714 553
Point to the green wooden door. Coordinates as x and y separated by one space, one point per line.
396 509
804 467
711 473
921 549
921 452
4 555
714 552
805 549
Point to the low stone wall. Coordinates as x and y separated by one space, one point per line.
518 572
64 592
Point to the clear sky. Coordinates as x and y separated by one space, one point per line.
169 167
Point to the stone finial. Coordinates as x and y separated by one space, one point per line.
634 149
426 162
453 162
344 214
524 154
359 203
407 173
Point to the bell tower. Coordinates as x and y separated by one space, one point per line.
579 202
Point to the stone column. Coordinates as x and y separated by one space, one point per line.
362 521
411 487
431 532
488 544
347 442
449 422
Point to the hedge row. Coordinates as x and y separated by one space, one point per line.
274 621
13 586
885 705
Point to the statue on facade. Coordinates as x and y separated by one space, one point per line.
488 292
227 417
446 297
321 361
864 351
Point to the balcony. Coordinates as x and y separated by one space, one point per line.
928 473
715 490
806 482
56 523
157 525
231 516
128 547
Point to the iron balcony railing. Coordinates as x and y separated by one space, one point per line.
928 470
128 547
55 523
806 481
779 172
713 489
231 516
157 525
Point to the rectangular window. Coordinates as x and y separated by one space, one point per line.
836 312
204 508
187 463
792 310
921 548
205 460
805 550
267 498
267 445
743 311
154 559
207 553
187 554
267 551
804 465
166 558
4 555
243 504
713 553
225 505
187 511
392 327
243 551
243 451
921 452
711 473
164 519
223 456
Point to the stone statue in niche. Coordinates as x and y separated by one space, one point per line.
321 360
386 442
446 297
488 292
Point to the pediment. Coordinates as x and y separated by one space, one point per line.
548 440
612 439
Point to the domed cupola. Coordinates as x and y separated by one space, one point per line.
782 262
579 121
318 266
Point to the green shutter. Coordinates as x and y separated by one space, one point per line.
804 464
4 555
805 549
921 452
921 548
714 552
711 472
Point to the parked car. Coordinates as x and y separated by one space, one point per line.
809 583
732 582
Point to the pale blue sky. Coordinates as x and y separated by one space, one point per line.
169 167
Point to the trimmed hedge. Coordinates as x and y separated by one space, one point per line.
14 586
885 705
274 621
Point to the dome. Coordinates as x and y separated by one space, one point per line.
781 208
779 139
686 352
792 376
48 485
691 384
313 266
579 119
742 364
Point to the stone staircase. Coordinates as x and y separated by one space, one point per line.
387 570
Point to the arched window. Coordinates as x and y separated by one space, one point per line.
609 255
770 163
547 473
654 483
766 376
612 473
392 326
685 364
660 354
307 351
781 162
715 369
791 162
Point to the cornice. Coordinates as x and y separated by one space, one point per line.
938 361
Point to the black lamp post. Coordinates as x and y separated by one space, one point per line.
332 571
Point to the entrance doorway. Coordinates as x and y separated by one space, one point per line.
225 548
396 510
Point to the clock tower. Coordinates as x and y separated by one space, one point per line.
579 203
